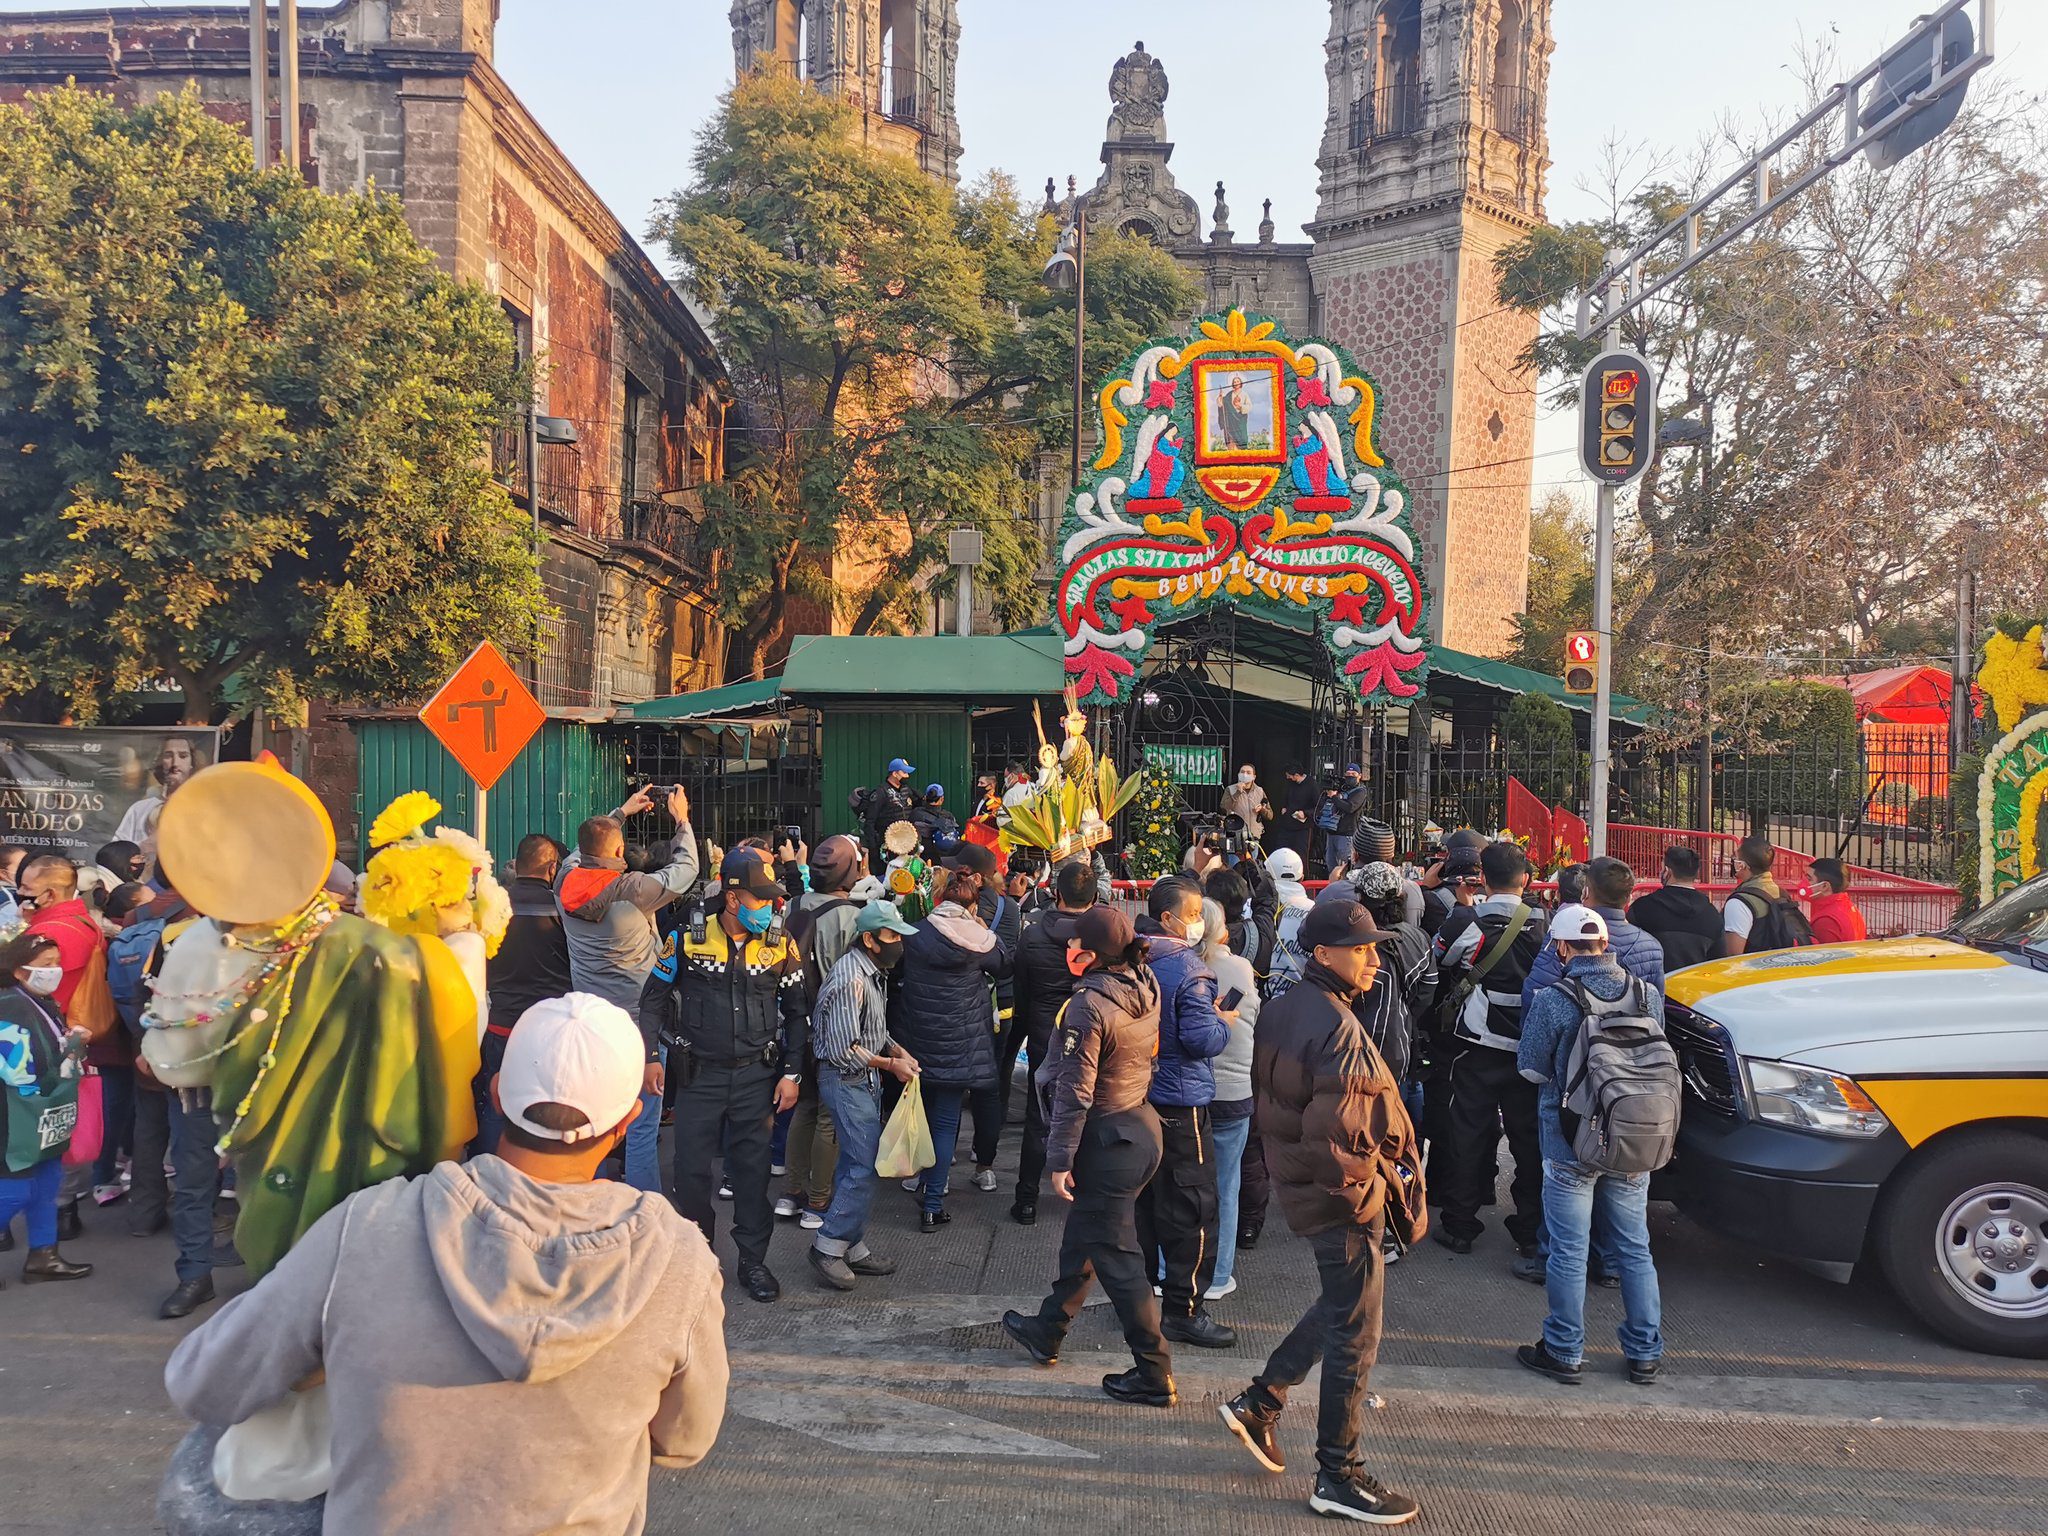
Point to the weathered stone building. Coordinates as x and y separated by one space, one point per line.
1432 159
403 94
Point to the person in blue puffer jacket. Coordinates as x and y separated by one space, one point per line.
1177 1213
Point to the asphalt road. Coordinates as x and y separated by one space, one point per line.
1790 1405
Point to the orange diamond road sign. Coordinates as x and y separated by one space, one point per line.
484 715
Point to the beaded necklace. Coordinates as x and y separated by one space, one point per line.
279 950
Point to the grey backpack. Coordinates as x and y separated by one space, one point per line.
1621 1090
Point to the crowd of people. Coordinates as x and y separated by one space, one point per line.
1359 1052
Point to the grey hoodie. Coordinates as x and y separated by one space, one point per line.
502 1355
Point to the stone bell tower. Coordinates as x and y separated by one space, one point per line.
894 60
1433 159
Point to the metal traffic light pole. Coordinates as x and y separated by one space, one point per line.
1603 617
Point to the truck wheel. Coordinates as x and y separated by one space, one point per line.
1963 1238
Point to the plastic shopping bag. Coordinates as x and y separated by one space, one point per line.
89 1134
906 1145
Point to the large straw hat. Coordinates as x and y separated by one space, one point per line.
245 843
901 839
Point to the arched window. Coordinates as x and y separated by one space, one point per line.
1513 109
1397 59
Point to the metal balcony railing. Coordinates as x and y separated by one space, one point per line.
1393 112
1516 113
652 525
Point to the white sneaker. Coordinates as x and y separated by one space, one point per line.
785 1206
1218 1292
778 1170
725 1189
985 1180
810 1221
914 1183
1158 1290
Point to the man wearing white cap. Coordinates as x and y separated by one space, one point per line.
1633 1069
570 1330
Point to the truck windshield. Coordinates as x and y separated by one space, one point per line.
2019 918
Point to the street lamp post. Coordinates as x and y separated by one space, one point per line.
1068 269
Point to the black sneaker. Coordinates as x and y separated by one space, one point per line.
1201 1330
1025 1213
1254 1430
1247 1239
1134 1386
1606 1279
1643 1372
1361 1497
1538 1358
1528 1265
1025 1331
1451 1240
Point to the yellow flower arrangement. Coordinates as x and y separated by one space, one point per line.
404 817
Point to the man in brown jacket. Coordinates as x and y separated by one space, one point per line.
1330 1115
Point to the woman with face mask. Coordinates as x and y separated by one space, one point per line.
39 1056
945 1011
1102 1147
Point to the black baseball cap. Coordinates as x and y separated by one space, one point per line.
973 858
1340 925
1104 930
1461 862
745 870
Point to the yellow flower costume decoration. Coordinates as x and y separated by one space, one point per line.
438 885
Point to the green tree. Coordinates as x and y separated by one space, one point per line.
1542 747
1560 584
901 363
244 424
1874 357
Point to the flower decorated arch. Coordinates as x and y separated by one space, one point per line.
1241 468
2012 791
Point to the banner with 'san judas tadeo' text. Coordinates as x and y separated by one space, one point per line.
74 789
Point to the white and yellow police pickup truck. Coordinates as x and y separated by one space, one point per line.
1883 1104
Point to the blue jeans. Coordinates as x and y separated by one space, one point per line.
856 1106
195 1185
1231 1135
942 1112
36 1193
643 1145
1571 1194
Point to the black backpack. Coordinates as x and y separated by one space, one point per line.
1779 924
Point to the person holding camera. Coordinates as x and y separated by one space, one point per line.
728 998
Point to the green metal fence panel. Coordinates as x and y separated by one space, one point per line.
567 772
857 745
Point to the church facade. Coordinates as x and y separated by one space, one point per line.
1432 159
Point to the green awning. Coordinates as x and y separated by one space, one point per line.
734 701
973 668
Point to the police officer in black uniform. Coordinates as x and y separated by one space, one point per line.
728 997
1102 1147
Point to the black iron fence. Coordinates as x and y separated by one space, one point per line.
742 781
1882 803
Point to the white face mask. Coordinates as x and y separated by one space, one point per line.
1246 777
1196 929
43 979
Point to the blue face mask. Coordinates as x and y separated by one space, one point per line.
757 919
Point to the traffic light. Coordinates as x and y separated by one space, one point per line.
1581 661
1617 417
